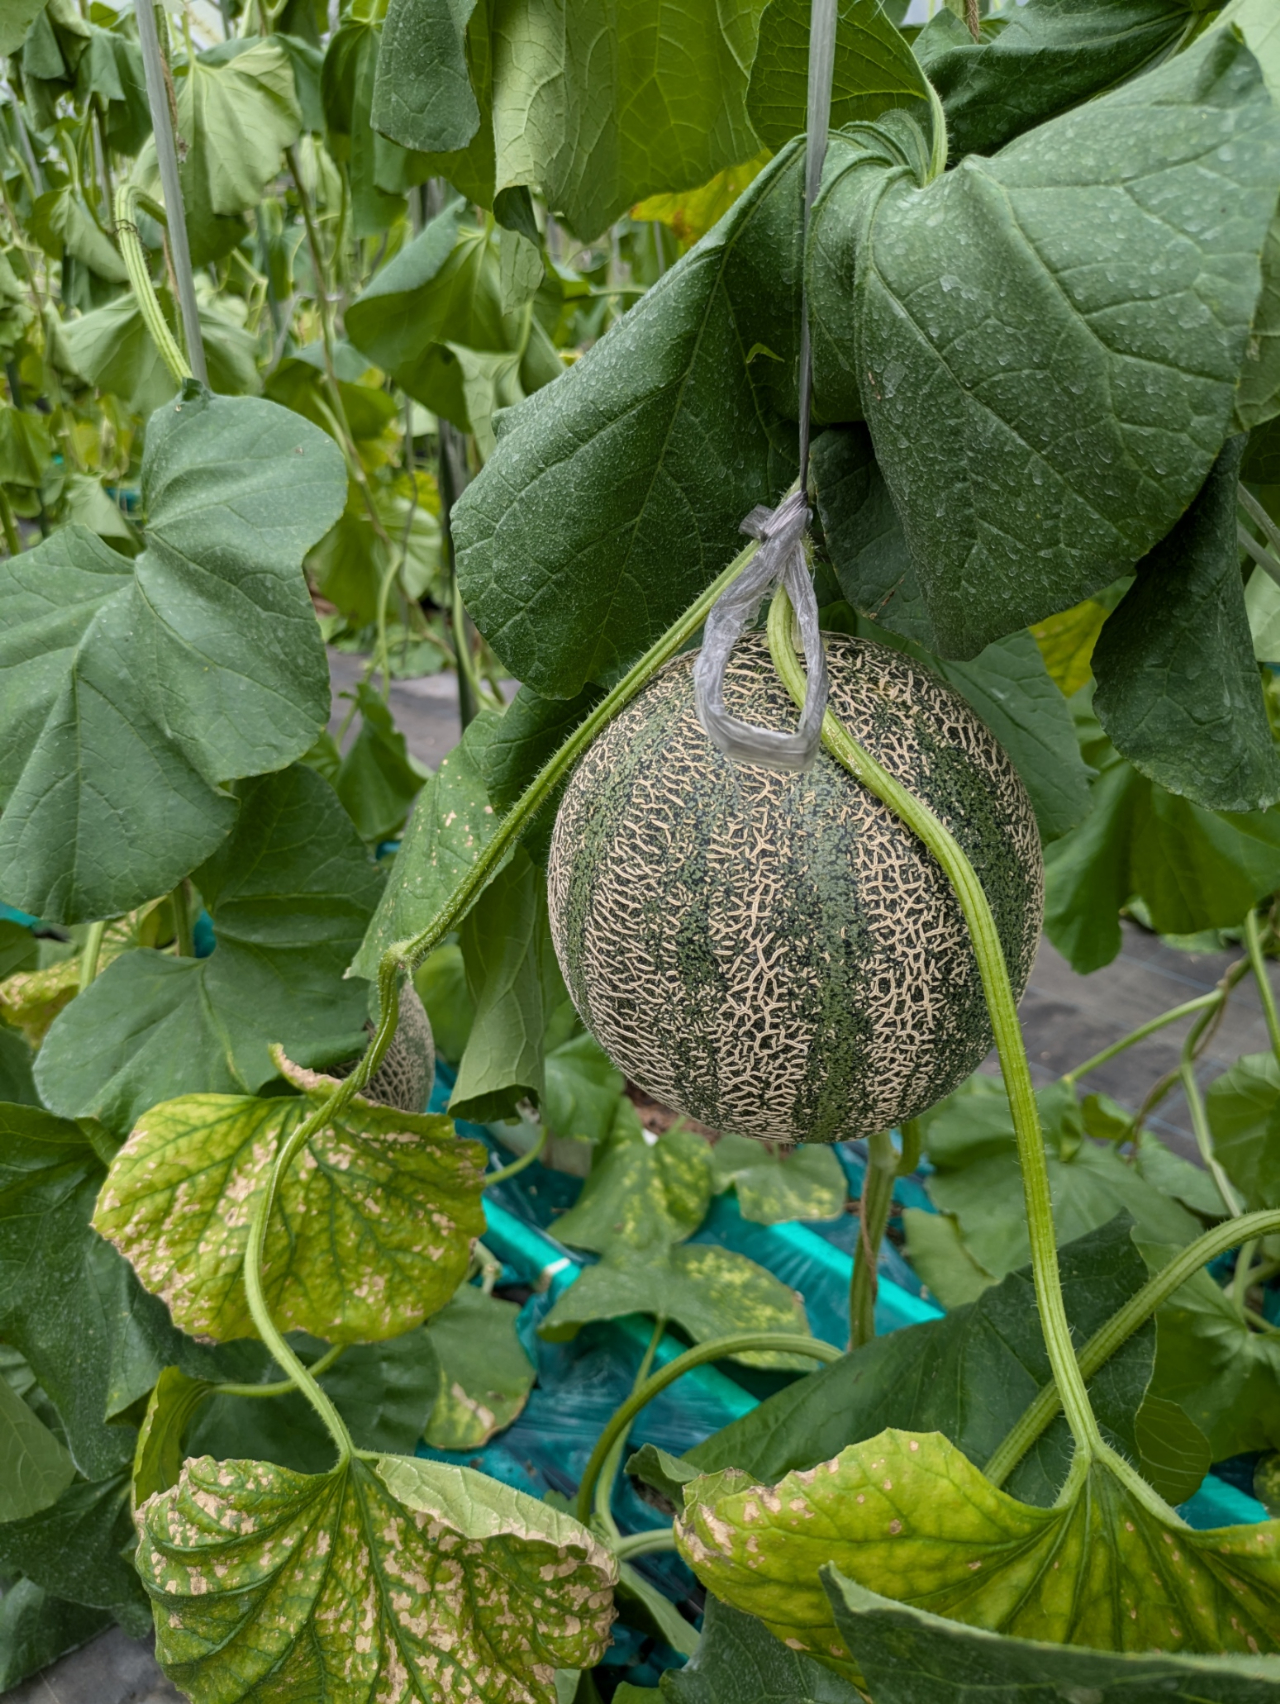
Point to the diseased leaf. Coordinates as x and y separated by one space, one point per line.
912 1513
375 1221
459 1584
676 425
35 1468
152 683
709 1292
452 822
969 1376
738 1661
1178 690
874 69
31 999
76 1550
1023 490
290 894
642 1194
485 1376
772 1186
1244 1115
1048 56
95 1341
908 1656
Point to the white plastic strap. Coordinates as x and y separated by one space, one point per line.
781 558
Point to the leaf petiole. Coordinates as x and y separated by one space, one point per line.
526 1159
281 1387
1257 958
1185 1010
873 1216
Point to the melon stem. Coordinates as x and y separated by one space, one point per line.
1003 1013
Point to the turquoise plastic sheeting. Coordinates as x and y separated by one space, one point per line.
1217 1504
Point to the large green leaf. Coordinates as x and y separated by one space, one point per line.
738 1661
615 495
1258 397
1042 414
132 691
1178 690
515 986
912 1514
18 17
773 1186
237 111
36 1468
110 72
908 1656
1244 1115
374 1223
874 69
485 1376
592 119
422 93
969 1376
1048 55
95 1341
77 1550
978 1179
457 1585
113 349
36 1629
290 894
452 822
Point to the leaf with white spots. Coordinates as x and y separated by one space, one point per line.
393 1580
773 1185
374 1222
485 1376
911 1517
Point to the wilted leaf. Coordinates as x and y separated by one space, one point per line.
375 1221
485 1375
461 1586
913 1514
154 682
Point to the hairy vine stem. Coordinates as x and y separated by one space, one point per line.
1003 1012
135 261
1121 1327
740 1343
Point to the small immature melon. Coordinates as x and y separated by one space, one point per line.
408 1068
776 954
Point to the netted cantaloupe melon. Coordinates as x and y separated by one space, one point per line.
408 1068
776 954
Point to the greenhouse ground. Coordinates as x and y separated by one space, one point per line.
1066 1019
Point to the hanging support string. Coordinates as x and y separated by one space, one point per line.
782 559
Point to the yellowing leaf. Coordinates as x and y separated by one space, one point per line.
1066 643
30 1000
374 1225
910 1516
396 1580
485 1375
692 212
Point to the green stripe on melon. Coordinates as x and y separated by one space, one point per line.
776 954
